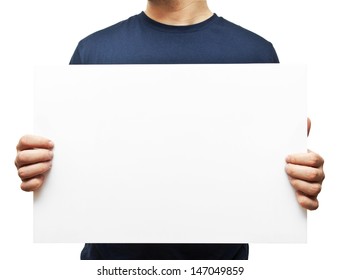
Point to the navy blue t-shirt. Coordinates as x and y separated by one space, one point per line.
141 40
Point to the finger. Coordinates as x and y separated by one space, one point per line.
27 157
32 184
306 173
34 142
33 170
310 189
309 124
307 159
310 203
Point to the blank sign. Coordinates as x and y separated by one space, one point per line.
170 153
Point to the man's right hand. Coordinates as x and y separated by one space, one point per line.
33 160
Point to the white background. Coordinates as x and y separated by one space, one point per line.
46 32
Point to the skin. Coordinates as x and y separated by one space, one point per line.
178 12
33 160
304 170
305 174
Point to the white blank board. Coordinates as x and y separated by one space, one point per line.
170 153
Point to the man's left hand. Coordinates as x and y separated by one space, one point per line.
305 173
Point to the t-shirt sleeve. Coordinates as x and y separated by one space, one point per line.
275 58
76 58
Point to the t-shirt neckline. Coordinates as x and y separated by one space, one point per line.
176 28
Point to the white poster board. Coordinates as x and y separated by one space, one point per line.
170 153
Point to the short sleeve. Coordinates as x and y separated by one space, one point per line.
275 58
76 58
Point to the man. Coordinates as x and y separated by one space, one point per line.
172 31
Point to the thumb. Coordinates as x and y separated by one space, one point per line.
309 123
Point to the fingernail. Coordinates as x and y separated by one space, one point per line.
50 144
